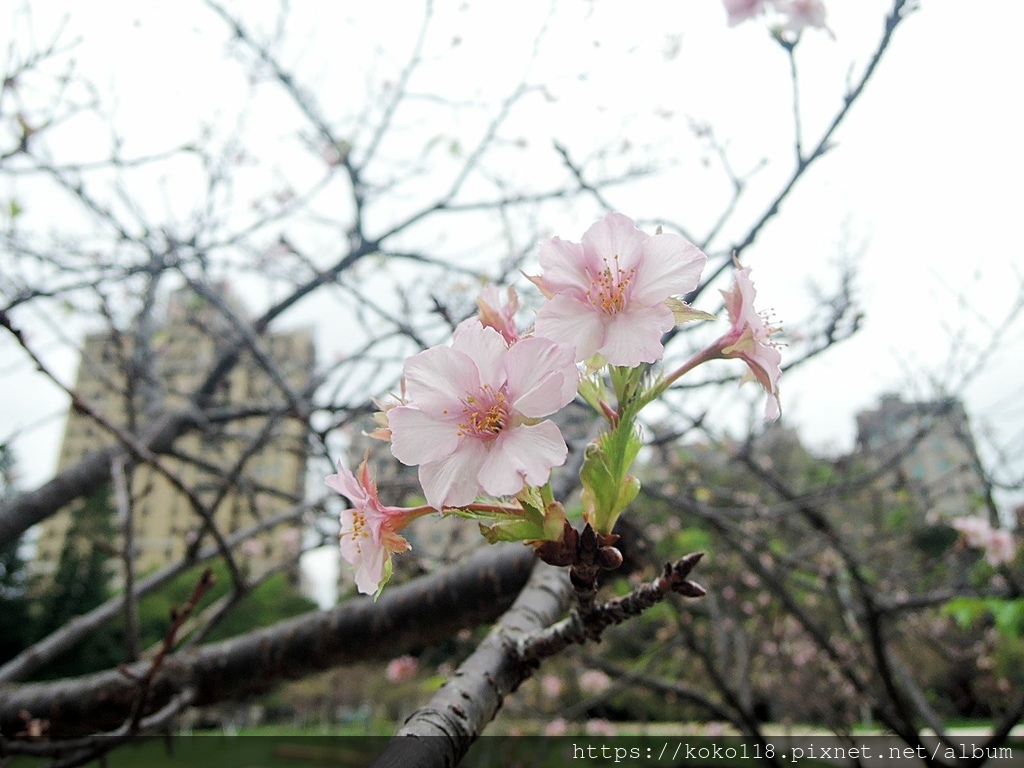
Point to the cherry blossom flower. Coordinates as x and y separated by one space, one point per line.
380 417
741 10
1001 547
998 543
608 293
975 530
556 727
497 314
750 340
472 421
790 16
800 14
252 548
594 681
369 529
401 669
292 539
599 727
551 686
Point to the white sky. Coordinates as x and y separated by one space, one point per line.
924 184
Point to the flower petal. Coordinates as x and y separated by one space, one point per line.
634 337
417 437
452 481
568 321
749 338
525 454
486 348
436 377
616 235
671 265
345 483
369 568
563 265
542 376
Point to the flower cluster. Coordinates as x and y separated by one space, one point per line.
474 416
789 16
998 543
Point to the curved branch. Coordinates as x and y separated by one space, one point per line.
80 627
407 617
824 144
444 730
461 709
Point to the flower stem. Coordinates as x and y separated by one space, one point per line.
492 509
711 353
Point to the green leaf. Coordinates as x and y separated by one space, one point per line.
607 489
1008 615
593 390
388 570
512 530
684 313
532 502
963 610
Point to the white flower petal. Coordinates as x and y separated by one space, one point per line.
569 321
614 239
634 337
542 376
437 377
345 483
523 454
563 265
486 348
671 266
452 481
417 437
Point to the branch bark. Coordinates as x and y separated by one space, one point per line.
407 617
443 730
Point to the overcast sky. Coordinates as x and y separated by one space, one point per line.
923 189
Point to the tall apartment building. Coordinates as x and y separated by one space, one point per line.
930 446
188 341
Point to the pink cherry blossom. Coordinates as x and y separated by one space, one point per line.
800 14
594 681
607 294
749 339
556 727
472 423
976 530
497 314
401 669
1000 548
368 528
998 543
551 686
741 10
599 727
292 539
253 548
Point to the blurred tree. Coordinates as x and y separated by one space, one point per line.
353 188
82 582
14 600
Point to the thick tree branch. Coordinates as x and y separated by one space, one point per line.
443 730
407 617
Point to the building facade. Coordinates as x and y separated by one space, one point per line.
930 446
268 451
